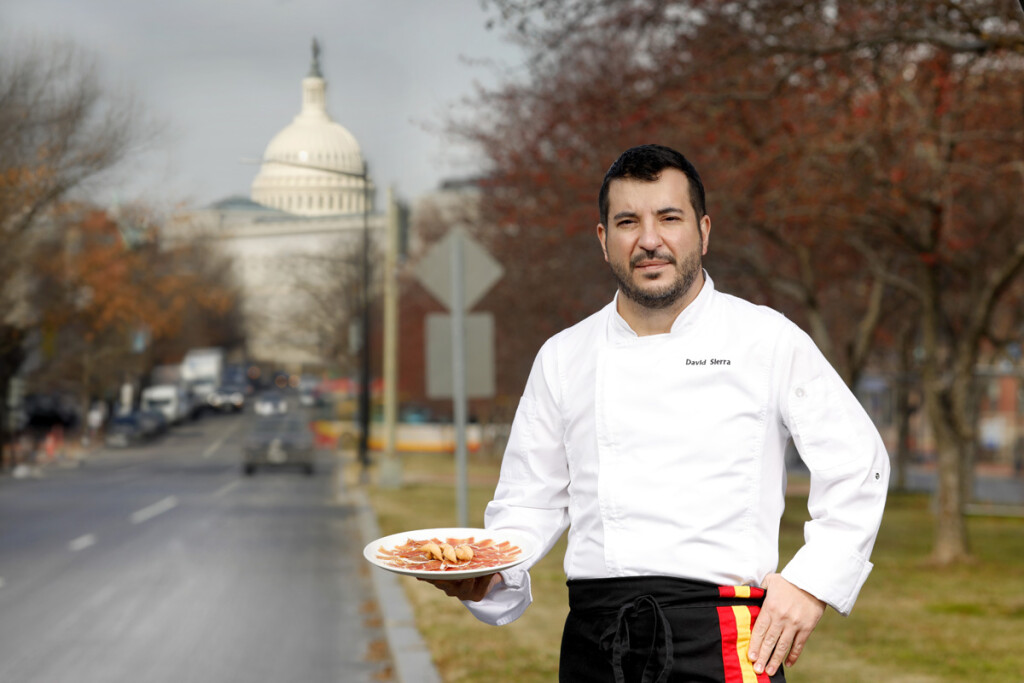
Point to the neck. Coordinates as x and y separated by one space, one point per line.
647 321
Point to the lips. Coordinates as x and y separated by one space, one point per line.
651 261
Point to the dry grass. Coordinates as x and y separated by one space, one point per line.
912 623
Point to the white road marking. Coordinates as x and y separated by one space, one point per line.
230 486
212 448
1 582
157 508
82 542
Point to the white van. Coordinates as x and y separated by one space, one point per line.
170 399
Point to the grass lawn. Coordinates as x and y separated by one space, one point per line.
912 623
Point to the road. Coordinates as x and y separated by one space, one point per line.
165 563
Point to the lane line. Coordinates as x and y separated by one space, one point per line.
1 582
82 542
212 448
230 486
157 508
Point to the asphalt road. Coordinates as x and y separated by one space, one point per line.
166 563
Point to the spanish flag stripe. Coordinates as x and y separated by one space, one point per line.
730 661
744 624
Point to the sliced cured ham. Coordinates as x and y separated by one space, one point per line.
440 555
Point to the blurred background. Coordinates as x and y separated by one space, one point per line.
225 251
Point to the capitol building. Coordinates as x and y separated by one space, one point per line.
296 243
314 166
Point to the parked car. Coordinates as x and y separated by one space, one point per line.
308 390
279 442
271 403
126 430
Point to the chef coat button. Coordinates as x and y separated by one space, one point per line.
800 392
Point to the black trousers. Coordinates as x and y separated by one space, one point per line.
658 629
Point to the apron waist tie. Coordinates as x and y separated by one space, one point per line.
616 639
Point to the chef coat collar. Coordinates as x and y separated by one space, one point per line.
619 329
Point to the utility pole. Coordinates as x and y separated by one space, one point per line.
390 473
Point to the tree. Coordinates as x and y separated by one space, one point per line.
97 289
60 130
863 161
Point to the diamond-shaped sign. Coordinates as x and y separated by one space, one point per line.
480 269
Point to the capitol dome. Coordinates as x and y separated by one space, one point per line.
314 166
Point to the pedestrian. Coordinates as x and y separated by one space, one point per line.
95 419
655 431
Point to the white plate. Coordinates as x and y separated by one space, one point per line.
388 542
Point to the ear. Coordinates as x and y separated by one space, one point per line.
602 237
705 231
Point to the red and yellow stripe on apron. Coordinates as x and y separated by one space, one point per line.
735 622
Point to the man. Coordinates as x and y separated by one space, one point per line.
656 430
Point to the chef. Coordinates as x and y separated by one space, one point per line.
655 431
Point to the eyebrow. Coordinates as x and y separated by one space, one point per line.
660 212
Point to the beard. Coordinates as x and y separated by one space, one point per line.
667 294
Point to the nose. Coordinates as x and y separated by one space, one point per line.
649 238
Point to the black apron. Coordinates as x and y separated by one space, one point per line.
658 629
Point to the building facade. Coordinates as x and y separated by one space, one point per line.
296 244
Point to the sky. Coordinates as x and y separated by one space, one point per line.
221 77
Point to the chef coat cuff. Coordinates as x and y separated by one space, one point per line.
507 601
833 575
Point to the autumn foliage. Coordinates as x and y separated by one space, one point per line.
863 161
111 303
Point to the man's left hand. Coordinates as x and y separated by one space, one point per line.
786 620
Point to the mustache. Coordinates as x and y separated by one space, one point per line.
652 256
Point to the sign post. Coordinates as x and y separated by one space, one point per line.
459 377
458 272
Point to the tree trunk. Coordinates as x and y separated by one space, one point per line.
950 525
11 356
902 408
951 528
970 453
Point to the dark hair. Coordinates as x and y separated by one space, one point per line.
646 163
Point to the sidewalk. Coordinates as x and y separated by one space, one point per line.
409 654
69 454
408 651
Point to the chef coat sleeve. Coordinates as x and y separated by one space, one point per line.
849 469
532 493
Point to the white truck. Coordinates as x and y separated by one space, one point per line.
202 370
170 399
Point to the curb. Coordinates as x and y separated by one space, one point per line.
408 651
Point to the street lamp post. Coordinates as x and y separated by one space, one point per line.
364 384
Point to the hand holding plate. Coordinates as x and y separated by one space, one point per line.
473 590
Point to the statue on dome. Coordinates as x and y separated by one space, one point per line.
314 69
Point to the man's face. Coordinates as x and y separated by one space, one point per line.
654 241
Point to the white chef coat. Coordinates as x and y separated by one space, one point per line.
664 455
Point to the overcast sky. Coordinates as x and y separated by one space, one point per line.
224 76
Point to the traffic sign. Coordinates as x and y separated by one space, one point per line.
480 269
479 360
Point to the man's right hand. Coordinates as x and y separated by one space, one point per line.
474 590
